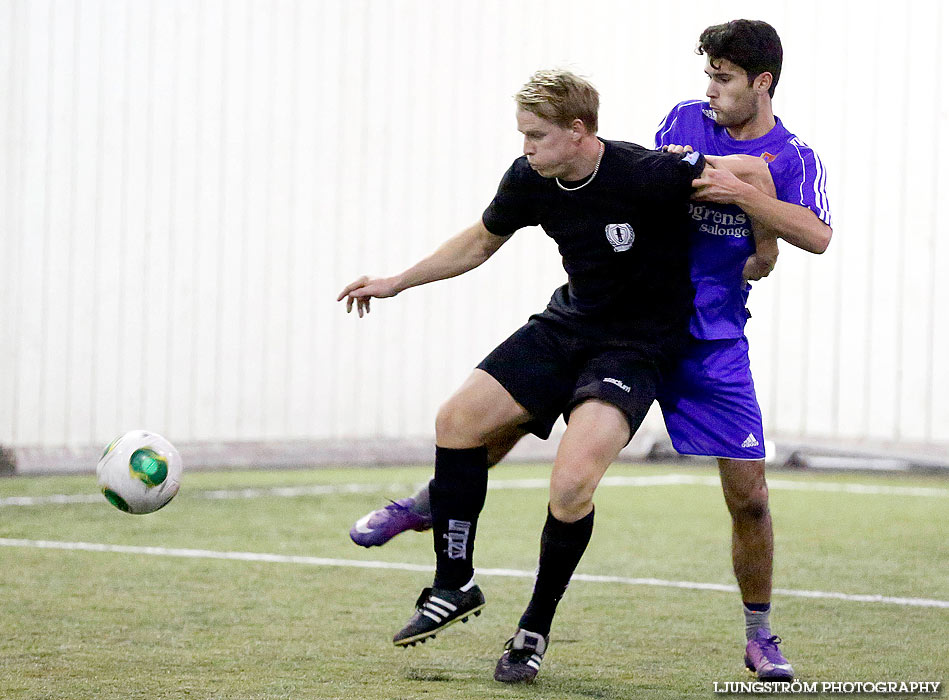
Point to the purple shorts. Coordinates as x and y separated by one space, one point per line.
709 402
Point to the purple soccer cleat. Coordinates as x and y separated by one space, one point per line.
764 659
378 527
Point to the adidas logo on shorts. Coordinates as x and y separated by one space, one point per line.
750 441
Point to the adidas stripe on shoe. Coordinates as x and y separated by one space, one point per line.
521 659
436 609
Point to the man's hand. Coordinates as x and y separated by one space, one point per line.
675 148
756 267
718 185
364 289
762 261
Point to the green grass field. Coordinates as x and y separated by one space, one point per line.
96 624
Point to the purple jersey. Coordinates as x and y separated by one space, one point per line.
721 233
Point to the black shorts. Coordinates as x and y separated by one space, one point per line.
549 368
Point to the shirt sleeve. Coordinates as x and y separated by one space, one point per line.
512 207
799 178
669 175
664 134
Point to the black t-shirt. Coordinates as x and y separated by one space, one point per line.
623 237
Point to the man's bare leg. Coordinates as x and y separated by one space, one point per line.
746 494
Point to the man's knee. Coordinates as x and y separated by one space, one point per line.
456 422
746 491
749 505
570 505
596 432
571 493
751 508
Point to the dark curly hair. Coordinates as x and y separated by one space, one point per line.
752 45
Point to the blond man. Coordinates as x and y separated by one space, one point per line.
619 215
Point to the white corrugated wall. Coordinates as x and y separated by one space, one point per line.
186 185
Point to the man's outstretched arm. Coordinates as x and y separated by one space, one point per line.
459 254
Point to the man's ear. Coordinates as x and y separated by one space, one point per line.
763 82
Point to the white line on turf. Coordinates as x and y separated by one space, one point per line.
504 484
219 494
400 566
47 500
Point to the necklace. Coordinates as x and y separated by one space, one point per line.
596 169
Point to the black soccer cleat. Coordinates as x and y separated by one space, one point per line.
521 659
436 609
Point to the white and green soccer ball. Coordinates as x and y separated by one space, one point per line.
139 472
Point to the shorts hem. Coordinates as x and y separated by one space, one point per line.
536 425
631 420
705 454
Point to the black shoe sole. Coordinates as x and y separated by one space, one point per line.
430 634
512 681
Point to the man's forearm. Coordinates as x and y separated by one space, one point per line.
797 225
748 169
454 257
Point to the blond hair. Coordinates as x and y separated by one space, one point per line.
559 96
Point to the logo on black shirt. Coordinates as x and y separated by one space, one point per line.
620 236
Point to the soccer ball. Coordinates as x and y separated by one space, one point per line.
139 472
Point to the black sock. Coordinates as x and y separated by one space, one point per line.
561 547
457 496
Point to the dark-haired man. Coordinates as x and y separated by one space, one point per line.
709 403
